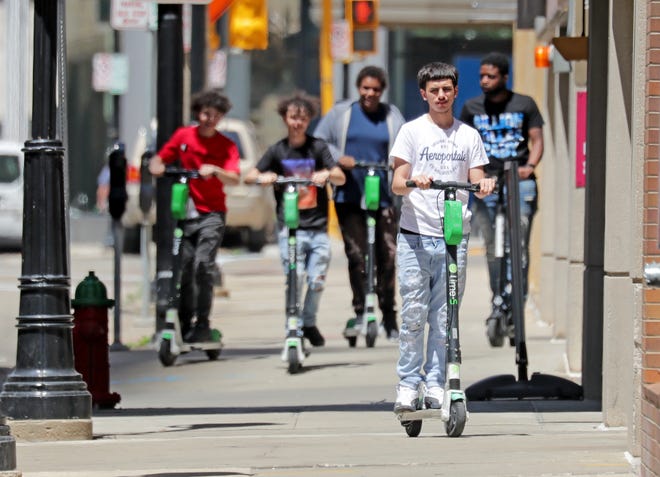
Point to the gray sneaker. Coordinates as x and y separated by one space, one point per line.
434 397
406 399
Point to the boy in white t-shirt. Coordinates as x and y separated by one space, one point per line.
435 146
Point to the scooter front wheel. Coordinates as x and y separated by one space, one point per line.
495 338
294 362
457 418
372 333
165 355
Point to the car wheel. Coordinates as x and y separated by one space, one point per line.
256 240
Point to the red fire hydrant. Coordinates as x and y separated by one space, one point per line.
90 340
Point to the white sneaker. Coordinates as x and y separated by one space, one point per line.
434 397
406 399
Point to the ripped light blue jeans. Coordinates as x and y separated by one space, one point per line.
423 287
313 254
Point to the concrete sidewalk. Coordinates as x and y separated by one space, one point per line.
244 415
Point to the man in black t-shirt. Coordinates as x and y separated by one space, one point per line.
511 128
301 155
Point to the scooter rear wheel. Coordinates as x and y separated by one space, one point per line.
165 355
212 354
457 417
292 358
352 341
413 428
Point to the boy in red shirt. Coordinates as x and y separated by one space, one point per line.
201 147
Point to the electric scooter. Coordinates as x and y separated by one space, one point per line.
170 342
500 322
367 323
293 352
454 406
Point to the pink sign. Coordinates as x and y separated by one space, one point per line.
581 139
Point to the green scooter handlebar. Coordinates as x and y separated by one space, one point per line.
452 220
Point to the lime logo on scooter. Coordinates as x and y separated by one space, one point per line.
453 284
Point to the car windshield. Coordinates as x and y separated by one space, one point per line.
9 168
233 135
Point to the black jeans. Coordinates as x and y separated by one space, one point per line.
353 224
202 237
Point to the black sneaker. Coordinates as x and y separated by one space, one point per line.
198 334
314 336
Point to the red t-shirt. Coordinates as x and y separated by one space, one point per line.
193 150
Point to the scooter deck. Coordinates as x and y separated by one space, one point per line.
421 414
202 346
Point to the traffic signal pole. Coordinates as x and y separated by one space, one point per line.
169 112
326 58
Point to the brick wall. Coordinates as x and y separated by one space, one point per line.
650 429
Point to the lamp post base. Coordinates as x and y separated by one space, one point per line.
33 430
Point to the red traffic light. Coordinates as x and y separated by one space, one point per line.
364 13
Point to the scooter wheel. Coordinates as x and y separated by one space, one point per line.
372 333
457 417
164 354
352 341
212 354
413 428
294 363
495 339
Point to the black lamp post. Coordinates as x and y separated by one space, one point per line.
44 386
169 112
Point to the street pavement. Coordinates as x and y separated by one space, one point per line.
244 415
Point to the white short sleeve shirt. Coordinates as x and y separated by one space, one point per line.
443 154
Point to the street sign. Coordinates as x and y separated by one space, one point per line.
110 73
131 14
217 70
340 41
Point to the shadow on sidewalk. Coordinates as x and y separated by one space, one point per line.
495 406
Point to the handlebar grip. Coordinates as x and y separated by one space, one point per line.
181 172
411 184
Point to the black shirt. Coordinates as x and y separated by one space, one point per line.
504 127
302 161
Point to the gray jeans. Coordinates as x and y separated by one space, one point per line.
202 237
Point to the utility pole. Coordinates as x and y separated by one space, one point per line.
44 396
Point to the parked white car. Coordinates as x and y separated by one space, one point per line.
251 209
11 194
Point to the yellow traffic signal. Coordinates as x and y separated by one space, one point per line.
248 25
362 16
